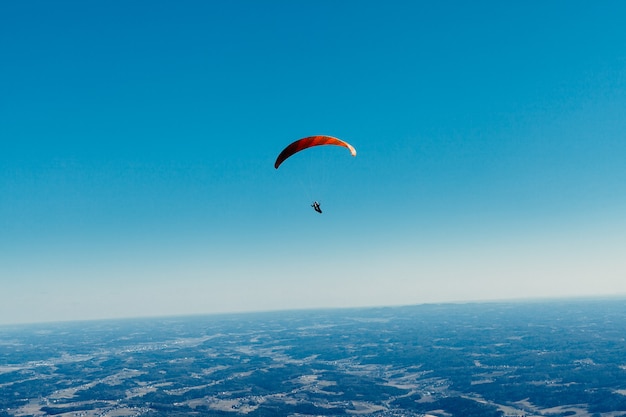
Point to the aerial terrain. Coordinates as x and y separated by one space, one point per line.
548 358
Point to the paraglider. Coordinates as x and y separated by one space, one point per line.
316 207
309 142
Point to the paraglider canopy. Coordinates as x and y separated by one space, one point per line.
309 142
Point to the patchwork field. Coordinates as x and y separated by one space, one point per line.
495 359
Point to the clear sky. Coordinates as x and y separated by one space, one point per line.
137 142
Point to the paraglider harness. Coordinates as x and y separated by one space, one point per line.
316 206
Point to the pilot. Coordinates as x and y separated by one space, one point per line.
316 206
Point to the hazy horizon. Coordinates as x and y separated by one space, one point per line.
496 302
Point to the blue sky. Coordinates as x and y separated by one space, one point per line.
138 142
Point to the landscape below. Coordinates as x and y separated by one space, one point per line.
549 358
